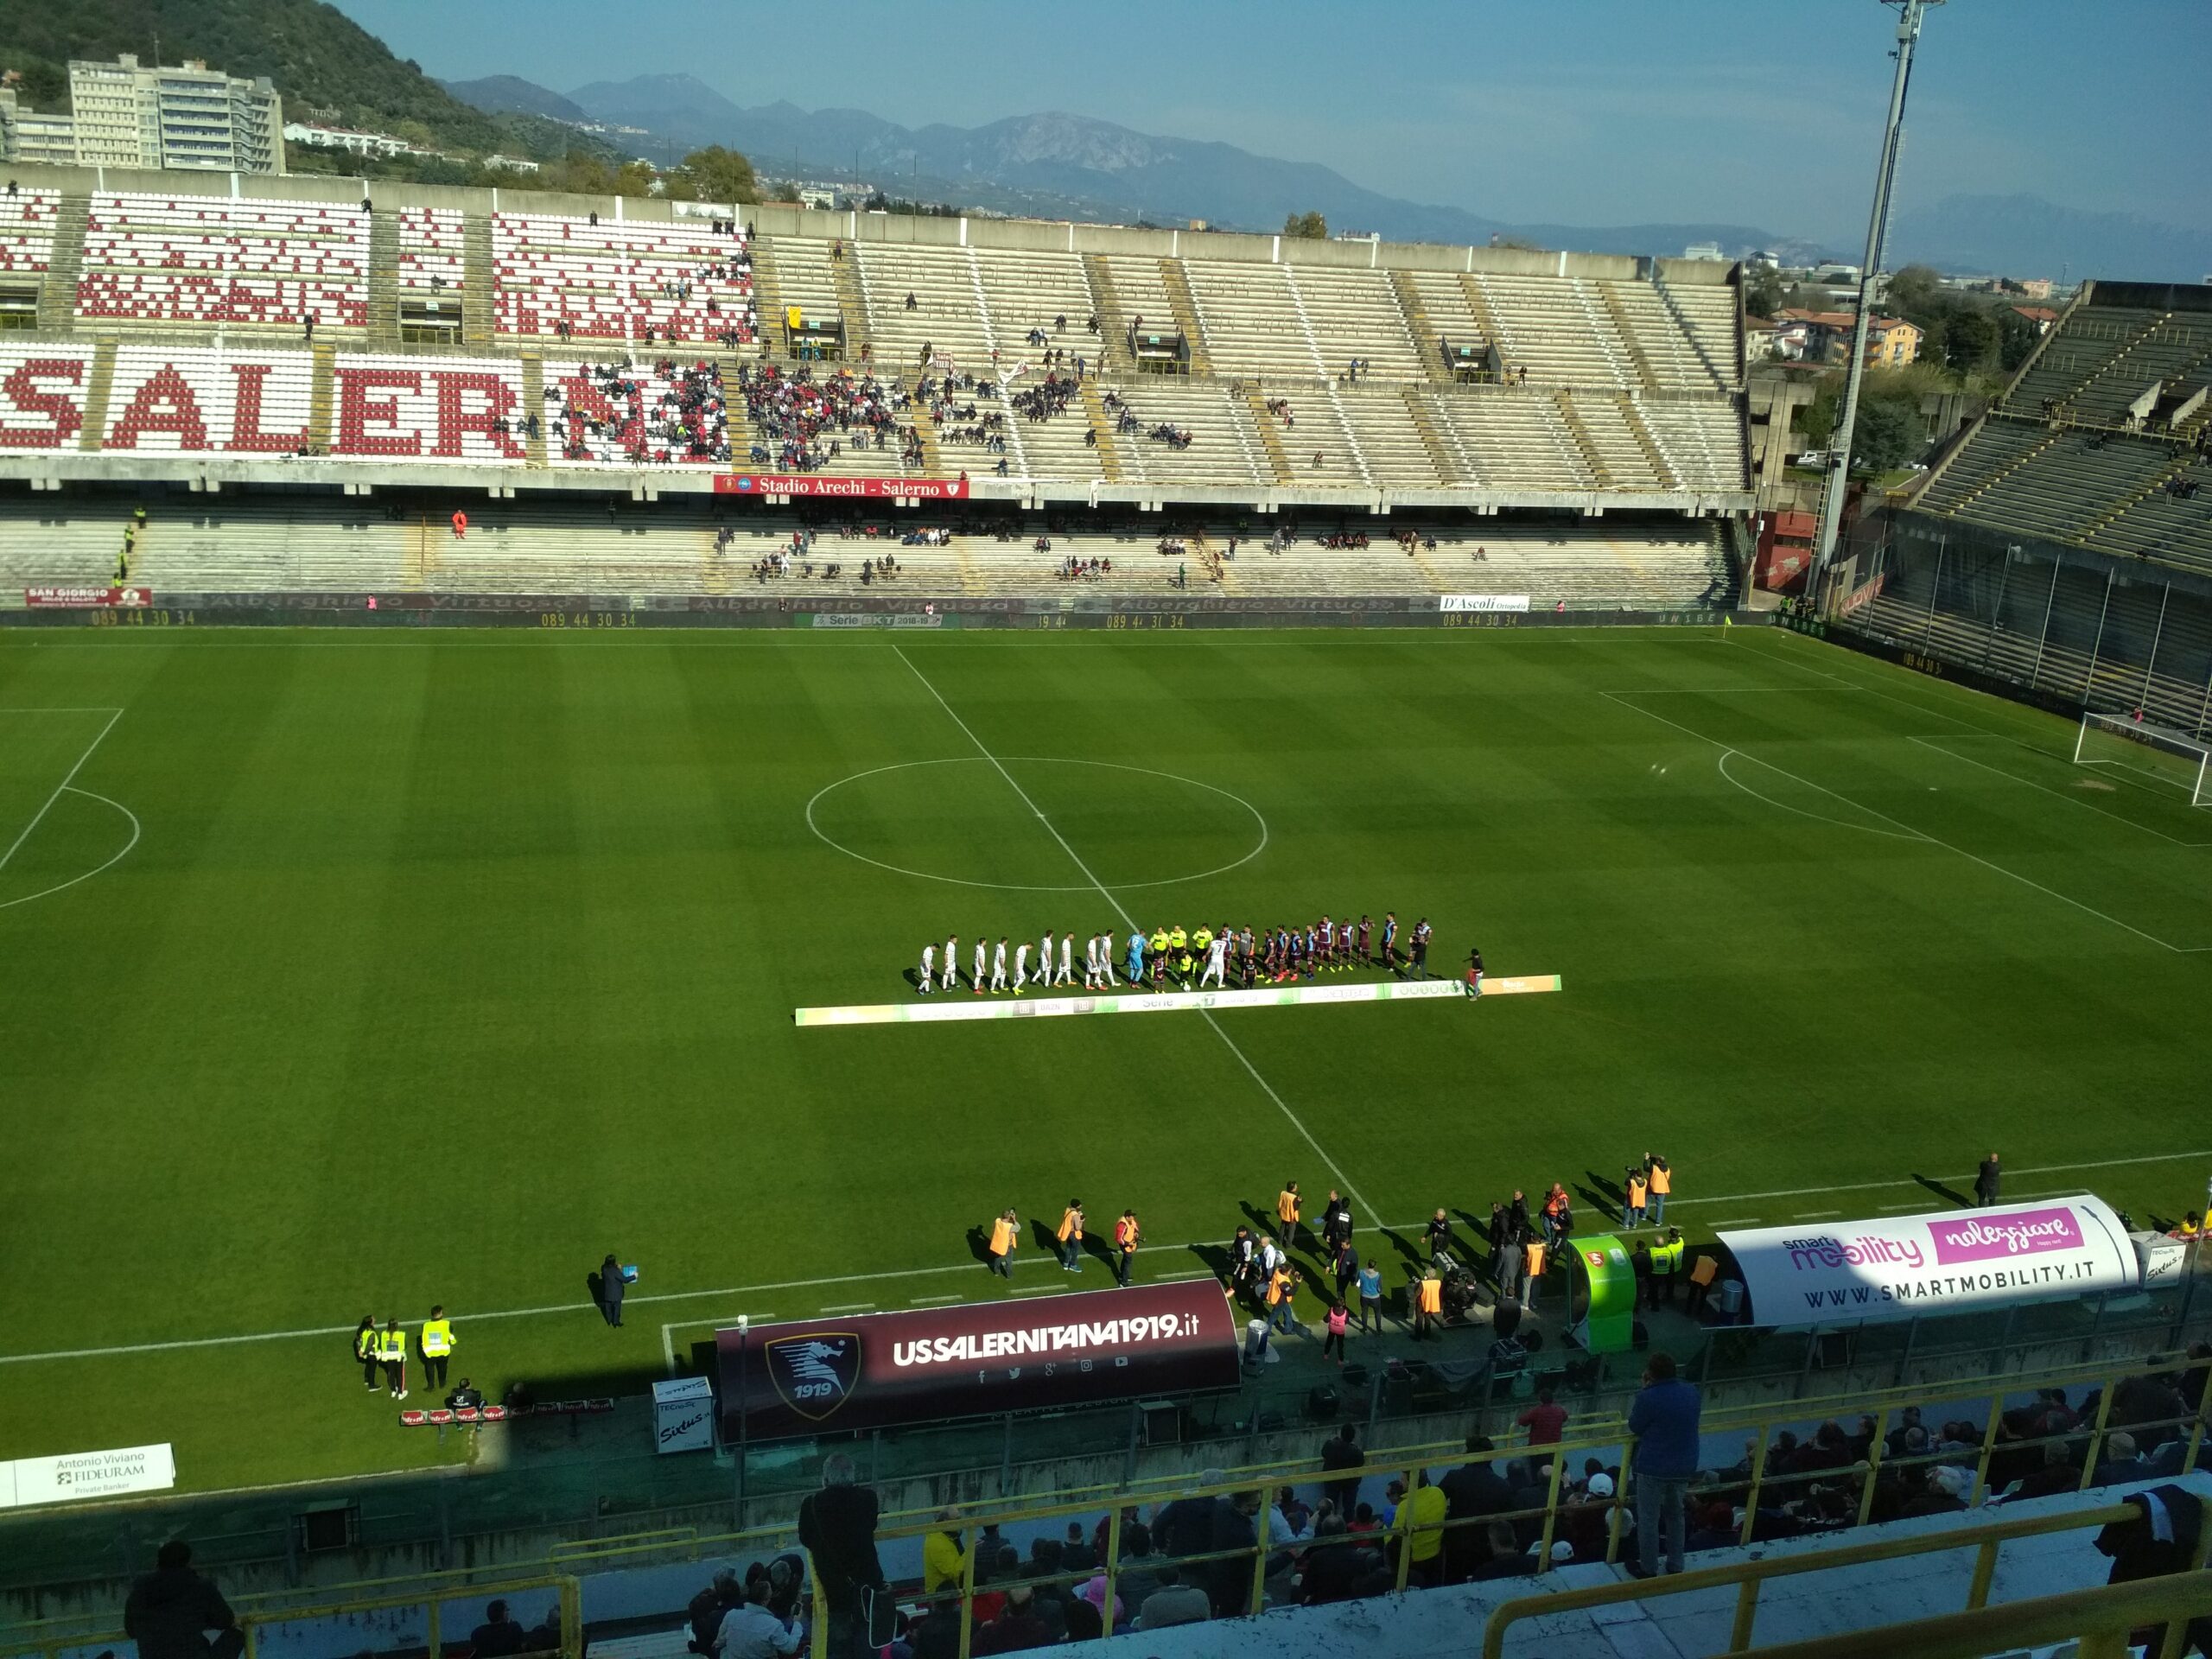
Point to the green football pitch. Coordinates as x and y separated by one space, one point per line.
343 974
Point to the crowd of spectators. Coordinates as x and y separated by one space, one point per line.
802 424
618 413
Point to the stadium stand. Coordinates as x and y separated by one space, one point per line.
183 259
538 343
2100 442
569 278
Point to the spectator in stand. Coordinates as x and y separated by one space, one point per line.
1173 1603
170 1611
1664 1421
1472 1491
1019 1625
1507 1558
1419 1523
1336 1564
1545 1421
945 1557
497 1636
1344 1454
837 1527
544 1636
708 1607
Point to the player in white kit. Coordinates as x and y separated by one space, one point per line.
1020 966
1067 960
1216 954
1044 958
979 965
928 978
998 965
951 963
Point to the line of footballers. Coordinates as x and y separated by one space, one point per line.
1174 954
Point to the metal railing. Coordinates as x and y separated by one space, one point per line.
1237 1577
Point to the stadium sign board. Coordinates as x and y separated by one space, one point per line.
871 489
1957 1261
878 1370
89 598
1481 601
78 1475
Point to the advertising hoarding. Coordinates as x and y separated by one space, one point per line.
1895 1267
873 1370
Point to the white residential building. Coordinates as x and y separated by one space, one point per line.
345 139
178 116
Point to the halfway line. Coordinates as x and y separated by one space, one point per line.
1130 922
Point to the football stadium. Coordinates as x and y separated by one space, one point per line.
579 776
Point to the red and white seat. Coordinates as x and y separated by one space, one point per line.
685 283
218 261
430 250
27 232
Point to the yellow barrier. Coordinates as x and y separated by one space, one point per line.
50 1639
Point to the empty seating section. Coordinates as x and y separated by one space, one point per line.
1142 290
42 388
1516 436
1452 314
1383 426
2175 354
431 251
1555 330
1628 465
1701 442
209 401
2088 342
1679 360
1701 314
1252 323
679 282
1995 445
805 278
27 232
1353 313
210 260
630 415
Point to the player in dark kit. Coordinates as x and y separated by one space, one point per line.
1389 957
1366 931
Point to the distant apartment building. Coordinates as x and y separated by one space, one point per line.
1825 337
124 115
1709 251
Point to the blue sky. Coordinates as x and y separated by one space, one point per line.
1572 111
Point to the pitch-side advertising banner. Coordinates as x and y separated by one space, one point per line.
78 1474
89 598
1900 1266
885 489
873 1371
1482 602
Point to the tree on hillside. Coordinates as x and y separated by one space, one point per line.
1915 294
635 179
715 175
783 190
1309 226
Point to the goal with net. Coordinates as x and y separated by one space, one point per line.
2157 754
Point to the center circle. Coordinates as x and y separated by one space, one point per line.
980 813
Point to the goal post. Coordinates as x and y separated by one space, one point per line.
2158 755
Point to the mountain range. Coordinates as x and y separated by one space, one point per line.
1060 166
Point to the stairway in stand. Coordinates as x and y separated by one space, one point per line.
97 389
1439 456
852 301
1109 445
321 396
2008 469
1425 332
1478 303
384 283
1186 315
1271 438
57 294
1582 438
1619 312
533 403
1113 323
768 297
478 278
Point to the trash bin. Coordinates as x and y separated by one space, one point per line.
1732 1298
